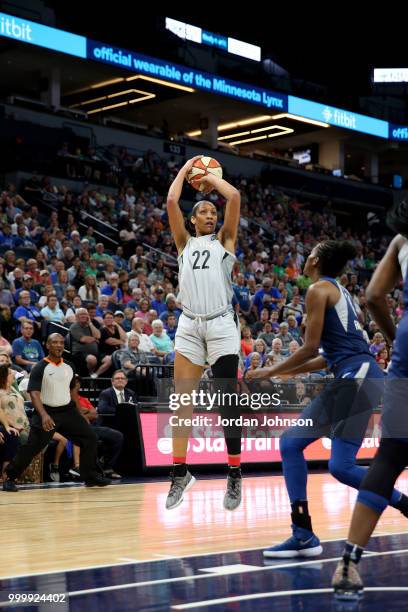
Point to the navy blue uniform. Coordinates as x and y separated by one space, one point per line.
343 409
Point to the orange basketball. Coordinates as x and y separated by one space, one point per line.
200 168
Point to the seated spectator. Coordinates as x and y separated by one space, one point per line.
143 313
47 292
70 312
255 361
61 284
132 357
301 397
9 441
378 344
383 356
274 321
242 295
293 329
52 312
91 308
171 308
145 344
102 308
22 238
126 292
171 326
119 260
137 295
27 351
111 439
261 348
113 337
267 334
284 335
89 292
112 290
259 325
27 285
293 347
12 403
151 316
276 352
18 371
85 345
68 299
26 312
247 341
127 321
294 308
267 290
6 297
116 394
160 339
119 317
158 303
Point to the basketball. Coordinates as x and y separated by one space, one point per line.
200 168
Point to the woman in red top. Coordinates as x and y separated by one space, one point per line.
247 342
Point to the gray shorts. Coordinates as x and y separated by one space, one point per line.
205 342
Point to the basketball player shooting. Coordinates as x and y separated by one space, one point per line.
208 330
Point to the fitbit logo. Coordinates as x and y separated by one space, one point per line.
339 117
15 29
327 114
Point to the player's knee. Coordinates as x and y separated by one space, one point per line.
372 500
340 469
288 446
226 367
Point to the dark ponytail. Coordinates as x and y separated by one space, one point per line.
333 256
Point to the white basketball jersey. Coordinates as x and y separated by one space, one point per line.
205 269
403 259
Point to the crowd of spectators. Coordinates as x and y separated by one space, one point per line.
118 307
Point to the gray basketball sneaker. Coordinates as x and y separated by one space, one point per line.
346 581
179 485
233 494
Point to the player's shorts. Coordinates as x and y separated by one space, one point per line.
203 342
343 409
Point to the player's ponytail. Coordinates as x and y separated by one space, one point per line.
397 217
333 256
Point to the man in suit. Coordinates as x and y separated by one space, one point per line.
117 394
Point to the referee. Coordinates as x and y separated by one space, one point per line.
51 388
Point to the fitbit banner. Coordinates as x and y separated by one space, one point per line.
196 79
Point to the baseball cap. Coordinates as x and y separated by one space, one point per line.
27 277
118 312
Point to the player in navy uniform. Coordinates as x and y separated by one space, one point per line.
376 490
343 409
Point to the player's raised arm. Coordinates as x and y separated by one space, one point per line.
384 279
229 230
316 302
176 219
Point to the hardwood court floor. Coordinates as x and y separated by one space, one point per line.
45 530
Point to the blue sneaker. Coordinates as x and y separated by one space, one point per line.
303 543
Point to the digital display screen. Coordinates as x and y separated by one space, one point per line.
33 33
203 37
